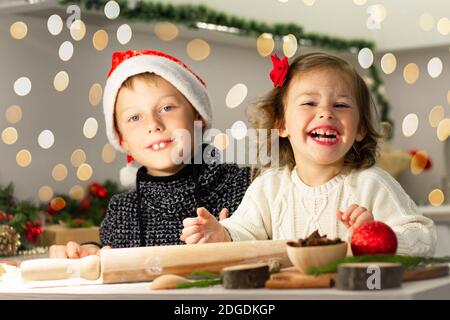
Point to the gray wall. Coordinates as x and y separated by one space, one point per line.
65 112
420 98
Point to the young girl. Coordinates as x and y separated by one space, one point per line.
152 103
327 179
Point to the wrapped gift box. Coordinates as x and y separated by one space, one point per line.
57 234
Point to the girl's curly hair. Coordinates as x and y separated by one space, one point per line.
268 112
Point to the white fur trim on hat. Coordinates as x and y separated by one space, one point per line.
128 175
180 77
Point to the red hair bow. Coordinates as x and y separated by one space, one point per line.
279 71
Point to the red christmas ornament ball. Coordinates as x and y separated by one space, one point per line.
374 237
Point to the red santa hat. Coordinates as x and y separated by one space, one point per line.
132 62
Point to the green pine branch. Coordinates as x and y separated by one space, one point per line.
205 274
207 279
407 262
199 283
7 200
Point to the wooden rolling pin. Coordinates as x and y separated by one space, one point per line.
147 263
57 269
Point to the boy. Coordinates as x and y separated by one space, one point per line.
152 102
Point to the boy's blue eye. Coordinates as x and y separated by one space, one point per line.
134 118
166 108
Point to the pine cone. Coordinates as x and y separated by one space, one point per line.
9 241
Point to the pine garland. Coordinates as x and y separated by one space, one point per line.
190 15
408 262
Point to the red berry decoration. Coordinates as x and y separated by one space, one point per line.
101 193
34 231
93 188
374 237
85 203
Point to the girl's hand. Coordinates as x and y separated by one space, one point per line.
204 228
354 217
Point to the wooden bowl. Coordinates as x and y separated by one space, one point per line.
304 258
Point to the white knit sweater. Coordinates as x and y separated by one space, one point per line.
278 205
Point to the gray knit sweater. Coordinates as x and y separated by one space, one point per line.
166 201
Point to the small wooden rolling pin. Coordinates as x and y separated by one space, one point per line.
57 269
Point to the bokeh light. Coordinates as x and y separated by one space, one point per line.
411 73
78 157
265 44
13 114
198 49
9 135
24 158
410 124
236 95
166 31
18 30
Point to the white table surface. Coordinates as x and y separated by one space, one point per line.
81 289
76 289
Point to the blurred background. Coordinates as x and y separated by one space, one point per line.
55 55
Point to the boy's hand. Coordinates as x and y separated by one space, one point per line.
73 250
204 228
354 217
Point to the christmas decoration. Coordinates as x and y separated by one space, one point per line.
374 237
38 250
422 159
9 241
22 216
394 161
60 234
86 212
34 230
85 203
97 190
191 15
27 219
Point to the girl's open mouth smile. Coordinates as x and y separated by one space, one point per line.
326 135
